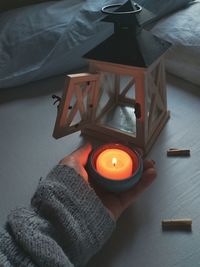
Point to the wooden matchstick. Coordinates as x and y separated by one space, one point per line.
178 152
177 223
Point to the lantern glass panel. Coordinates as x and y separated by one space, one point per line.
115 107
106 93
77 109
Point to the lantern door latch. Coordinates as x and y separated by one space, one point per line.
57 99
137 110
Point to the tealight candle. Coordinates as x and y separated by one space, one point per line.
114 163
115 167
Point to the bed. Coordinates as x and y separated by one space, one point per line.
182 29
50 38
28 150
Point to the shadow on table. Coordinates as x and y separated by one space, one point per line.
120 241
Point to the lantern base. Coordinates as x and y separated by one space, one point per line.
107 135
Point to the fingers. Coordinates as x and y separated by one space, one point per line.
147 178
148 163
78 159
82 153
83 173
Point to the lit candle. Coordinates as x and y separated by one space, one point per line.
114 164
114 167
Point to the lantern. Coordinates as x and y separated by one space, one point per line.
123 96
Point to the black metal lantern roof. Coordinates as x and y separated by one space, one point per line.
130 44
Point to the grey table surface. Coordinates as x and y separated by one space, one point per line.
28 151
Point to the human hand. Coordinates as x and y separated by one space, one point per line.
115 203
78 159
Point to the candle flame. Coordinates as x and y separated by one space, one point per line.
114 161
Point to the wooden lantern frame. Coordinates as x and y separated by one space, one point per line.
82 93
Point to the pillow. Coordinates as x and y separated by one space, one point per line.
10 4
162 8
47 39
182 29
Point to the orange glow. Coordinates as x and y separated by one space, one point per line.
114 164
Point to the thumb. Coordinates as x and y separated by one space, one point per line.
82 153
126 198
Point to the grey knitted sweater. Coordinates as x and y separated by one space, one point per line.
65 224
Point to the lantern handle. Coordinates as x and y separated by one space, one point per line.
105 11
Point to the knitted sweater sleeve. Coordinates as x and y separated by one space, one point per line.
65 224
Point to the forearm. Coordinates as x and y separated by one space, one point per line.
66 222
